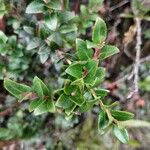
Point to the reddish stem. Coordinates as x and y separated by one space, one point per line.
96 53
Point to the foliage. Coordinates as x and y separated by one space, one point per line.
81 75
145 84
58 51
17 128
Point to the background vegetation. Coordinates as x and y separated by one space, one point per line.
32 43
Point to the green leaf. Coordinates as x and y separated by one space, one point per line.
40 88
3 38
56 38
101 92
108 51
55 4
77 97
51 21
5 134
147 34
69 117
91 44
64 102
66 16
135 123
95 3
114 104
145 84
99 31
35 7
88 95
75 70
121 134
2 8
50 106
28 29
71 87
58 92
82 51
44 87
43 31
91 68
78 82
87 70
34 44
122 115
103 120
66 4
74 93
44 53
15 88
67 29
68 88
46 106
87 105
34 104
84 10
43 57
69 110
16 129
100 75
37 87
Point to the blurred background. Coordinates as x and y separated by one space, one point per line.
27 48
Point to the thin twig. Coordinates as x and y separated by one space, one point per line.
119 5
138 49
145 59
124 76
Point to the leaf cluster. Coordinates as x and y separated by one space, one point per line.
82 75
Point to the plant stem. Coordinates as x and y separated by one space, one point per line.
138 49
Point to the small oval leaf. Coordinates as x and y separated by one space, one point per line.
64 101
46 106
75 70
82 51
107 51
103 120
122 115
34 104
16 89
35 7
121 134
99 31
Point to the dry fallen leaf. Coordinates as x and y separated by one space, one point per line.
129 35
